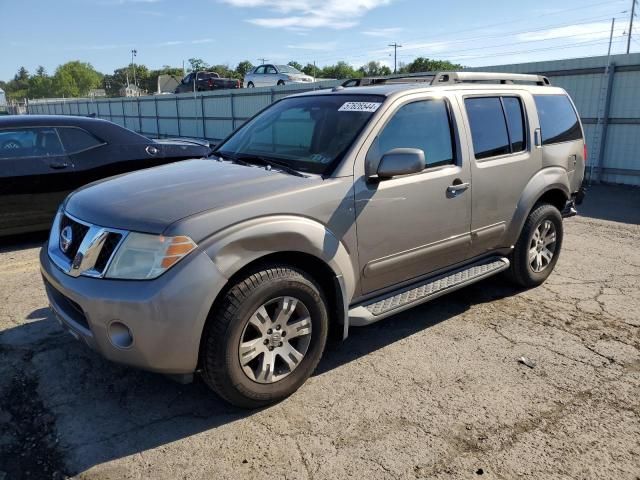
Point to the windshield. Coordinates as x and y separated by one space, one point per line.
310 134
288 69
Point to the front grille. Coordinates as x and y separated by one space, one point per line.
78 233
108 248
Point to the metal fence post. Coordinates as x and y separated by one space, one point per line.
139 114
155 109
204 123
605 123
178 115
233 111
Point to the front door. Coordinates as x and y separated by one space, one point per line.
412 225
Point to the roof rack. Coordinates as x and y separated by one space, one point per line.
448 78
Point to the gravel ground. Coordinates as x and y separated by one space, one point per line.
436 392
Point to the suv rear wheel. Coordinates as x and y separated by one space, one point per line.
265 338
537 250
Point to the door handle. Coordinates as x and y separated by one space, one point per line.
58 165
457 188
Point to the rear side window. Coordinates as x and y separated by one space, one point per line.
497 125
558 120
76 140
488 127
424 125
29 142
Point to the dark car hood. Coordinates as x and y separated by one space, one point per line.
150 200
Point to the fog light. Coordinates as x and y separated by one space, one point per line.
120 335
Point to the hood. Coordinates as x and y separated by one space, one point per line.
150 200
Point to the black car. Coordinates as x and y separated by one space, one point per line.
43 158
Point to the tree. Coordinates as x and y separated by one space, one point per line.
40 84
75 79
310 69
197 64
340 71
243 68
374 69
422 64
295 65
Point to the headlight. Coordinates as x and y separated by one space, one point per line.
143 256
290 77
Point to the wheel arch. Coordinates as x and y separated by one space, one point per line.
298 242
550 185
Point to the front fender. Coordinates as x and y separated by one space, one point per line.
237 246
547 179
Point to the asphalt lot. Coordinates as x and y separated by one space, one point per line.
435 392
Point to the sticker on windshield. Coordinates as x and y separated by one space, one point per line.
359 107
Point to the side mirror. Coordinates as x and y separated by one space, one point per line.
401 161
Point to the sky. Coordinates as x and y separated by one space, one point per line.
168 32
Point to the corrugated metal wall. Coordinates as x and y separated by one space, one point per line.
213 115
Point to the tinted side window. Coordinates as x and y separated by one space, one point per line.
29 142
488 127
271 69
76 140
515 122
558 120
424 125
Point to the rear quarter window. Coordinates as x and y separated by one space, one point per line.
558 119
76 140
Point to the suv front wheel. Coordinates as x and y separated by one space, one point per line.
537 250
265 338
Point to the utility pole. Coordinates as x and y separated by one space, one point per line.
633 14
613 25
134 52
395 55
262 60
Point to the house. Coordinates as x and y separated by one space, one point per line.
131 91
3 100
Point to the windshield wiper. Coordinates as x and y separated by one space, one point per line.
231 158
272 163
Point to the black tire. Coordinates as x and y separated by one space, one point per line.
221 367
521 271
250 85
281 83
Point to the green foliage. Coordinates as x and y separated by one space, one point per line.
374 69
295 65
75 79
422 64
197 64
243 68
340 71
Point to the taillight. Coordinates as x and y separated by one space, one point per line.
210 83
584 153
237 83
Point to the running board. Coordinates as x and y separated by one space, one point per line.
432 288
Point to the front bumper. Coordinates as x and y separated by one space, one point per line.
165 316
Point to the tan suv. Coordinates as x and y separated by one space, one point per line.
325 211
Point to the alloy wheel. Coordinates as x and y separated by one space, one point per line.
542 247
275 339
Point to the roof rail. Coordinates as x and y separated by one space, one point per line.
448 78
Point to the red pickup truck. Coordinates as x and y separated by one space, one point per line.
202 81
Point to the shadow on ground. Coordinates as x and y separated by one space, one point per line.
102 411
612 202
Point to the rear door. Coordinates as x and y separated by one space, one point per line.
258 76
33 172
500 139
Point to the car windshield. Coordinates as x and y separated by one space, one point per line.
288 69
309 134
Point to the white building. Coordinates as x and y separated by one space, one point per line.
3 100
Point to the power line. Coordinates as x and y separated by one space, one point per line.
263 60
582 21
